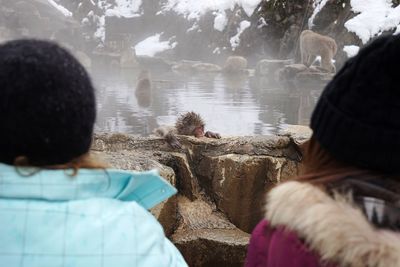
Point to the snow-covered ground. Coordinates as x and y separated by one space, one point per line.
152 45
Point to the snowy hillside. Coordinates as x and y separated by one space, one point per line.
372 17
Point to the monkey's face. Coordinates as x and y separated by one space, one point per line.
198 131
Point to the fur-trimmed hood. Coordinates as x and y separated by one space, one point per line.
333 227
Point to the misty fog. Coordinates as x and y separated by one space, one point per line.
115 40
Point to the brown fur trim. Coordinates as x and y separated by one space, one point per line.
333 227
187 122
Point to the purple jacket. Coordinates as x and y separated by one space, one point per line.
306 227
271 247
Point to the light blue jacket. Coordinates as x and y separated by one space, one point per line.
96 218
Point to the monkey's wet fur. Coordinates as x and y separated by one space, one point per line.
189 124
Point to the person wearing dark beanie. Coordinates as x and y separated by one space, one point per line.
58 205
357 118
47 104
344 207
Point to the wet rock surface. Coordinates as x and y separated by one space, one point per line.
267 67
299 133
302 75
221 185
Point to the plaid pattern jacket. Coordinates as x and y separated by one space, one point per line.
96 218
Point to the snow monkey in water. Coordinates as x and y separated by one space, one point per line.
143 89
190 124
313 44
235 64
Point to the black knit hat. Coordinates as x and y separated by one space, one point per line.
47 103
357 118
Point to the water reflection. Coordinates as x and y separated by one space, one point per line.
230 105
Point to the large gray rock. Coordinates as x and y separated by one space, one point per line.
184 65
206 238
212 247
221 186
302 75
154 63
268 67
238 183
299 133
289 72
206 67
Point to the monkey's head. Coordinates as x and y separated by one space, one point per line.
144 74
191 124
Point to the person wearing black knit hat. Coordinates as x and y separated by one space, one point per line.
59 206
357 116
344 208
47 104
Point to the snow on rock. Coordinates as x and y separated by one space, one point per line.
60 8
220 21
194 27
125 8
120 8
375 16
101 30
194 9
318 5
248 5
152 45
85 21
351 50
261 23
217 50
235 40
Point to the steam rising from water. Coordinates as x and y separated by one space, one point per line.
101 33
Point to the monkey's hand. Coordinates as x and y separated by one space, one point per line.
173 141
212 135
175 144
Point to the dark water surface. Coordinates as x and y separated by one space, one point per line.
233 106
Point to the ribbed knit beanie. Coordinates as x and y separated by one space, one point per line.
47 103
357 118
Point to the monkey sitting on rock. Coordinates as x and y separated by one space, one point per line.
190 124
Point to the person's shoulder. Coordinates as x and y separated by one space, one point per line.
130 227
274 235
278 246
